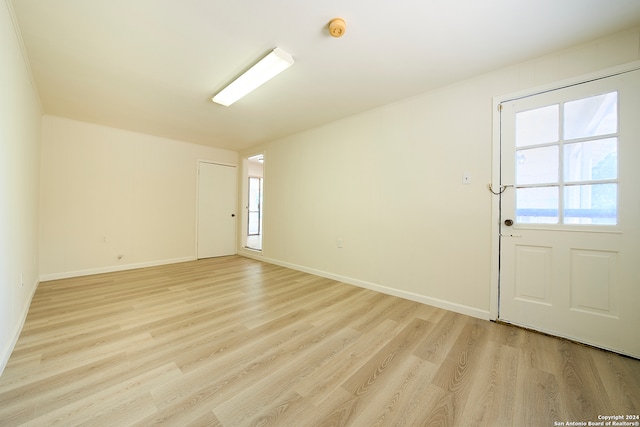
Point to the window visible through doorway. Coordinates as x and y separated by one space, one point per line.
254 197
254 226
567 162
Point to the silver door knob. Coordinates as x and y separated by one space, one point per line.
508 222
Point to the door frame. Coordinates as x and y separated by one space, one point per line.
496 220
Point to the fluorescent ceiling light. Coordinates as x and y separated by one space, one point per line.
268 67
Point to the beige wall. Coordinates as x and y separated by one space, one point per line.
389 184
19 168
255 169
108 193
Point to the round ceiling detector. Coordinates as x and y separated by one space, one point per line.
337 27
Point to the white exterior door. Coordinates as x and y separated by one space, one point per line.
570 212
217 201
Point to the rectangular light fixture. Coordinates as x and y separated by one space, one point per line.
270 66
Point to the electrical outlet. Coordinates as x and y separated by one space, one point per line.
466 178
339 243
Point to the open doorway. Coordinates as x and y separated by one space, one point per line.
255 176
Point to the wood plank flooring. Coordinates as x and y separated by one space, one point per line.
235 342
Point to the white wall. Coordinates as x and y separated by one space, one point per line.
107 193
389 184
19 168
255 168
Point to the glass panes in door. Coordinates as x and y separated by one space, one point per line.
567 162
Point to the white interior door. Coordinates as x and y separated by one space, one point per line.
217 201
570 214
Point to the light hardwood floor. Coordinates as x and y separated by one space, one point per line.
236 342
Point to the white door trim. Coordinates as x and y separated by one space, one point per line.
494 305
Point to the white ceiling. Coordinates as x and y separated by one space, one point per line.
152 66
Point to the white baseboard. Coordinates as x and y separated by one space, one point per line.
435 302
112 268
15 334
253 254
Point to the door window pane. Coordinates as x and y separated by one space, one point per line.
591 161
539 126
537 165
593 116
537 205
591 204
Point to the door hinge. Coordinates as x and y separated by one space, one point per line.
499 107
